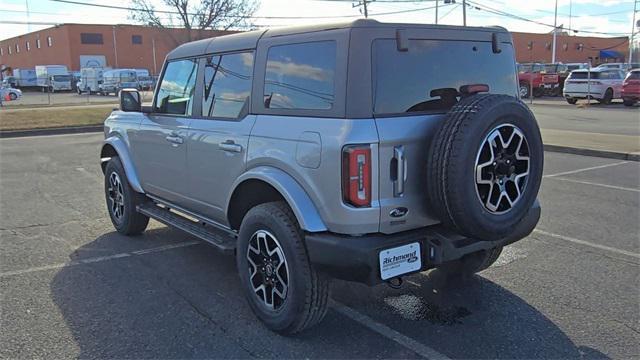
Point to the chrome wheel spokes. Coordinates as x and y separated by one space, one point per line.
268 270
502 168
115 192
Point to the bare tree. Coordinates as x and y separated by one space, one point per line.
195 14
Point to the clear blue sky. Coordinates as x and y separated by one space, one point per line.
607 16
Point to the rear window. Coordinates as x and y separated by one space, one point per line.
584 75
423 80
634 75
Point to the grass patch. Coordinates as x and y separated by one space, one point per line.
51 118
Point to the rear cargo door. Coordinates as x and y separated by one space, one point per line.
413 89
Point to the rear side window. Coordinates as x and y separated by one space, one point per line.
428 76
175 94
300 76
227 85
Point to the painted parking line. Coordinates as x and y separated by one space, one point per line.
100 258
596 184
584 169
587 243
387 332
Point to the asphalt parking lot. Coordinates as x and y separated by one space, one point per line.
72 287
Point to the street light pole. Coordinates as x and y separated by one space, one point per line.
464 12
555 32
633 29
436 12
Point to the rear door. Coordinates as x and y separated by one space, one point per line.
159 146
413 89
218 140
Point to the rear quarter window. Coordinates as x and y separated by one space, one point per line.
426 78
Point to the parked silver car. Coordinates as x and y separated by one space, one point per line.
361 151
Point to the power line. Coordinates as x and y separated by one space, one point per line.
483 7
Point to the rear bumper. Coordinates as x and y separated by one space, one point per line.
356 258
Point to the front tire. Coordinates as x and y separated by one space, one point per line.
572 101
629 102
283 289
122 200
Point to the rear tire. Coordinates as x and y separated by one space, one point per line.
608 96
122 200
283 289
472 263
629 102
572 101
485 166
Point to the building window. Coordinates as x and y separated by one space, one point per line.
28 46
136 39
9 48
49 41
38 43
91 38
1 51
17 48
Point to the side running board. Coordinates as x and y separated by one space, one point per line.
209 233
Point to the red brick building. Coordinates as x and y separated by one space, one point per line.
117 46
569 49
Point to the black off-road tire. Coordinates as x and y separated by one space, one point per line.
451 185
608 96
472 263
131 222
306 300
572 101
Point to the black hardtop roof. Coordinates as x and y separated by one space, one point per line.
249 40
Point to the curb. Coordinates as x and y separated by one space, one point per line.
51 131
592 152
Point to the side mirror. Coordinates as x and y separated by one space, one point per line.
130 100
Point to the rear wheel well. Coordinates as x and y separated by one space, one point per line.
248 194
107 151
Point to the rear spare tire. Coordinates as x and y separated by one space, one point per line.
485 166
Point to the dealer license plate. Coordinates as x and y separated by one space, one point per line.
400 260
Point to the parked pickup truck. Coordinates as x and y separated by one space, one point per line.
533 78
353 151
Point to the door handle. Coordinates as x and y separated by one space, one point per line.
401 171
174 139
230 146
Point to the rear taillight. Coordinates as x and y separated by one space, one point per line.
356 175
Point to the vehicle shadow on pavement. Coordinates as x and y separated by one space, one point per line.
470 318
184 303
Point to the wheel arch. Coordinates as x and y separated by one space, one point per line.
114 146
265 184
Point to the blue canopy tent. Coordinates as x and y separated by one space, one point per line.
610 54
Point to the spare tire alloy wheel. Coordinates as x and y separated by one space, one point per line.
268 269
502 168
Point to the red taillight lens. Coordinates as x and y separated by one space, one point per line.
356 175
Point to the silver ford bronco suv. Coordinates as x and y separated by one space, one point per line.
360 151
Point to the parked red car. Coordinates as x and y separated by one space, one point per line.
533 76
631 88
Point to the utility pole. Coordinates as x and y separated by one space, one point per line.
464 12
436 12
570 6
633 29
555 33
363 3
